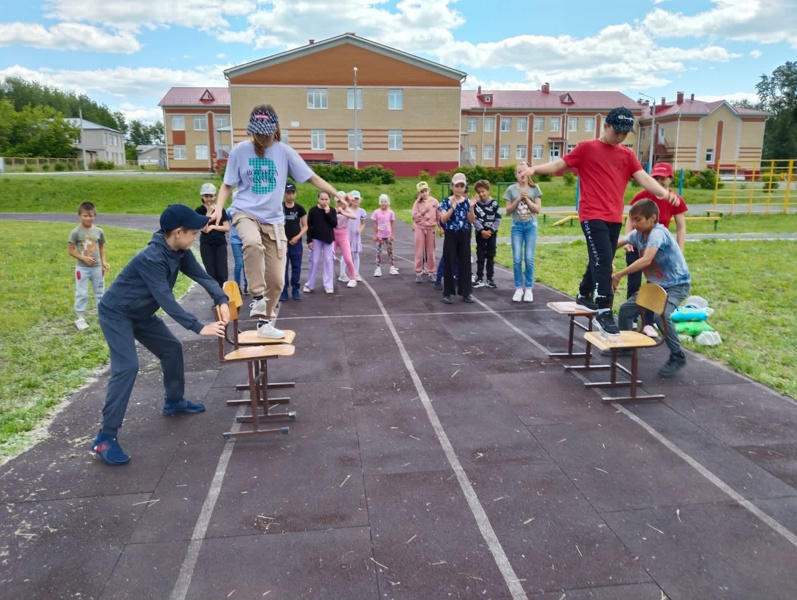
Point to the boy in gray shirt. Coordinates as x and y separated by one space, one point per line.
87 247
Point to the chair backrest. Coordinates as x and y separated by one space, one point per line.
234 294
653 298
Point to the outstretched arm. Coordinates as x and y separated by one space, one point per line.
655 188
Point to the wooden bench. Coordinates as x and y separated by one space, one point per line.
573 310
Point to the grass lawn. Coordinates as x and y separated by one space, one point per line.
43 358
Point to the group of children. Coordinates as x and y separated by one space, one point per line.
267 225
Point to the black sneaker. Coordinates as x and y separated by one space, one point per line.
491 284
586 302
447 299
478 283
605 322
469 299
672 366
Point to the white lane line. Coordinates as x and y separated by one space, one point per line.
183 582
482 521
776 526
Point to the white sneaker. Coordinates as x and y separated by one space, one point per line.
329 291
268 331
528 296
378 272
518 295
80 324
307 290
649 331
359 278
352 283
343 278
258 308
394 271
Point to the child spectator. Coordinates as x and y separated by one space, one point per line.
259 168
457 215
295 228
663 263
356 227
524 204
213 239
127 314
383 219
425 214
238 257
488 220
321 222
604 166
344 217
87 246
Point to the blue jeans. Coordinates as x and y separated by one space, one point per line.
238 258
524 240
294 265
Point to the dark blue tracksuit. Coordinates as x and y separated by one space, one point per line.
127 313
294 264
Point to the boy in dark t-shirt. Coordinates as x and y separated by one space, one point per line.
295 228
488 220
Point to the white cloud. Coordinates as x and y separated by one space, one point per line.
67 36
756 53
145 114
731 97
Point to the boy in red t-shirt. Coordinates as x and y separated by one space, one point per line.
604 167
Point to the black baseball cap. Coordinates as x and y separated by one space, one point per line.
621 119
180 215
290 187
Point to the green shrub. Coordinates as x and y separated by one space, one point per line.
29 169
442 177
770 182
103 165
341 173
46 167
60 167
424 176
542 178
569 178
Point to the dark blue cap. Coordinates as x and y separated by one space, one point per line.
621 119
180 215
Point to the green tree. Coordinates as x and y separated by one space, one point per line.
778 94
35 131
138 134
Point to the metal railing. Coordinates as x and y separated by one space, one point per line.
762 188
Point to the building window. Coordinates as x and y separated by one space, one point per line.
222 151
201 151
520 152
179 153
503 151
395 139
318 139
709 154
506 123
317 98
589 124
536 151
570 147
473 124
522 124
220 121
178 123
350 99
489 124
539 123
395 99
359 139
555 122
472 153
488 153
200 123
572 124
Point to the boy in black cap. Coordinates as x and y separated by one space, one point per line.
604 166
295 228
127 313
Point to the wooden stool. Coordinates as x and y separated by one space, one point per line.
573 310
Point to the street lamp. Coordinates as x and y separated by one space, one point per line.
652 128
355 118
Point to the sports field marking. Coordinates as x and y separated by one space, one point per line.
482 521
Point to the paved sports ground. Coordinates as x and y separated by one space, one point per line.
438 453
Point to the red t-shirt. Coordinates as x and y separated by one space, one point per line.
603 172
666 210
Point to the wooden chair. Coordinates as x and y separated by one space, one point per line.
256 359
651 297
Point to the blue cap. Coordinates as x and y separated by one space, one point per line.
621 119
180 215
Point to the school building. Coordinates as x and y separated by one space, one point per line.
350 100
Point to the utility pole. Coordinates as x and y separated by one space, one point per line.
652 128
82 139
356 137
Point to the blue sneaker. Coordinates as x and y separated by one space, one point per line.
296 294
284 295
107 447
185 407
438 285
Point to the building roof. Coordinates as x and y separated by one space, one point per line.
551 100
146 148
75 122
196 96
692 107
346 38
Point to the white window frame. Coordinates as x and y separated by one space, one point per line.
395 139
589 124
350 98
317 99
503 151
570 148
359 139
178 122
536 151
220 121
572 123
506 123
522 124
201 151
179 152
520 152
318 139
473 124
539 123
200 123
472 152
489 124
556 124
395 99
488 152
709 155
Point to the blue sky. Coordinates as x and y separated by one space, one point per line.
128 53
